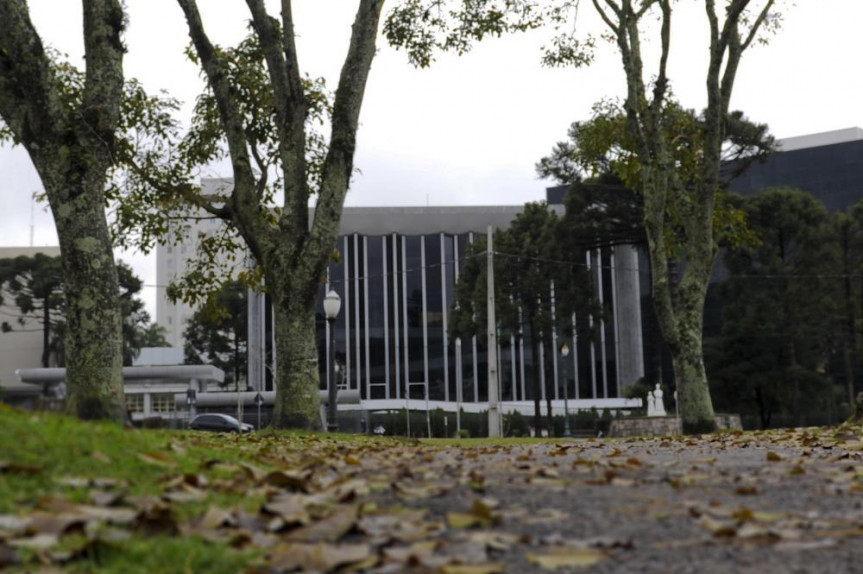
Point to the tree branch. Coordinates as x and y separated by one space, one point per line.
759 21
29 103
291 107
103 85
188 192
665 34
338 165
246 204
605 17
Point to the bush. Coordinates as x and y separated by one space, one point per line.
514 424
463 433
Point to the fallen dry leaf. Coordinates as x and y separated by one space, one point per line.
557 557
318 557
158 458
329 529
472 569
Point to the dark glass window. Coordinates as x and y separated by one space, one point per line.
358 318
395 282
415 312
376 285
434 315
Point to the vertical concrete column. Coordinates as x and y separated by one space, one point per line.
628 319
256 340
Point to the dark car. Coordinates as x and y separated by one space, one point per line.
219 423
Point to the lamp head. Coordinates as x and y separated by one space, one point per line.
564 350
332 305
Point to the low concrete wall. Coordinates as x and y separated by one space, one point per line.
662 426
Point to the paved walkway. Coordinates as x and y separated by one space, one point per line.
766 502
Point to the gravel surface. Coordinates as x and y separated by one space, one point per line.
789 501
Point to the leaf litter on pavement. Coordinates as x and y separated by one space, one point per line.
320 503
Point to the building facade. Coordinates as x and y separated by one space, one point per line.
396 276
172 260
828 165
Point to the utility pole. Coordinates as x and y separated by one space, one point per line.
493 394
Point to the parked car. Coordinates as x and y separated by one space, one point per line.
219 422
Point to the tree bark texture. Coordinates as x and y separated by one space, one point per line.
71 143
294 253
297 403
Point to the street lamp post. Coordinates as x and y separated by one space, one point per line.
564 351
332 306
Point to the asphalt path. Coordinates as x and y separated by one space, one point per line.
784 501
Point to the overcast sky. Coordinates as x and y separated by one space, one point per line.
469 130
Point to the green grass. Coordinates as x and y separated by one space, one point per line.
45 456
53 447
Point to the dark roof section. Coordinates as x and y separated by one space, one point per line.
426 220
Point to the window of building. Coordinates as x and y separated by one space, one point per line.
162 402
135 403
170 249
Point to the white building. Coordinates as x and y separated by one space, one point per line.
172 261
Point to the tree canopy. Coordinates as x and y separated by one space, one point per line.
218 333
780 311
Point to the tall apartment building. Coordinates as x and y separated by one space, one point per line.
172 260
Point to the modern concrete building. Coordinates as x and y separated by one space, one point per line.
396 276
828 165
172 261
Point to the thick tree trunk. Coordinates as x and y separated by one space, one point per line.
94 345
71 146
696 406
297 403
693 393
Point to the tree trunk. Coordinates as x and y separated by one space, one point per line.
94 345
696 409
680 308
297 403
857 418
72 148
